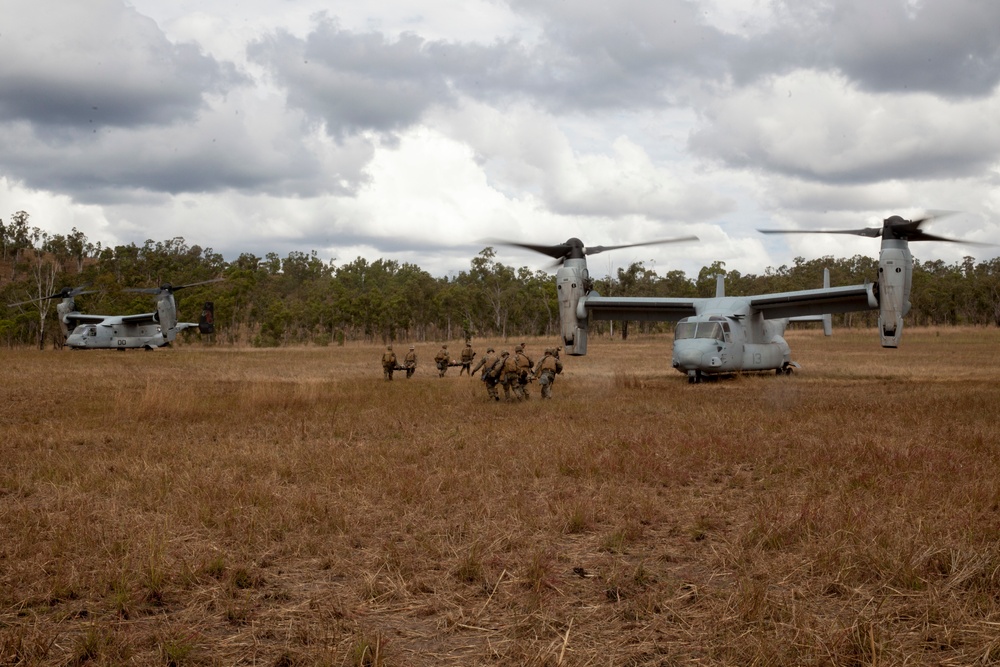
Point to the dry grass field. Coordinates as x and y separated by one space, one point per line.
200 506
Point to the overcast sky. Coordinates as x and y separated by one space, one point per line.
415 130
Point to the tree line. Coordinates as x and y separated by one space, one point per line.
302 299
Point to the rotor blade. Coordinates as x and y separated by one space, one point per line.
558 251
203 282
602 248
910 230
167 288
64 293
77 291
893 227
870 232
935 215
924 236
575 248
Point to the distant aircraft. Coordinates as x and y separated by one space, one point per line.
84 331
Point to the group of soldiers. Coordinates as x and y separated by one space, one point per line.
512 372
390 364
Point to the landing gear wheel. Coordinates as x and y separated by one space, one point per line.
694 377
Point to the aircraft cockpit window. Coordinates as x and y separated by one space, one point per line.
698 330
685 330
92 331
710 330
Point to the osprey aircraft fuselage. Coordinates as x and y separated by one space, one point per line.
122 332
144 330
713 336
84 331
729 334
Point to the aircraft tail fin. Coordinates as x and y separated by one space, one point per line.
825 318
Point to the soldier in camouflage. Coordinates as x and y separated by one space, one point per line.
388 362
489 379
510 376
410 362
441 359
468 354
524 366
548 367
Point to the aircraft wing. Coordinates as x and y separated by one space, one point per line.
81 318
638 308
141 318
816 301
181 326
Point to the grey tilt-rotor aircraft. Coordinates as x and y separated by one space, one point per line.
83 331
730 334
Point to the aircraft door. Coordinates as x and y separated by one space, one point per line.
733 338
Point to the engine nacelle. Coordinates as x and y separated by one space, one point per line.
63 309
166 311
895 273
572 283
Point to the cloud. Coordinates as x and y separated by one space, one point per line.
817 126
599 55
593 57
99 62
353 82
236 143
943 47
523 149
392 130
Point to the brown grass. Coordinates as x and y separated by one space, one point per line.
288 507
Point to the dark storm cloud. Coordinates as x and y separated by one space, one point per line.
940 162
97 103
944 47
100 64
637 51
366 81
357 82
632 53
353 82
106 179
103 98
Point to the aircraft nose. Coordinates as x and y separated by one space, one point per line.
687 358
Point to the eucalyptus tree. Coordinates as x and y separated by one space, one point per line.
499 288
